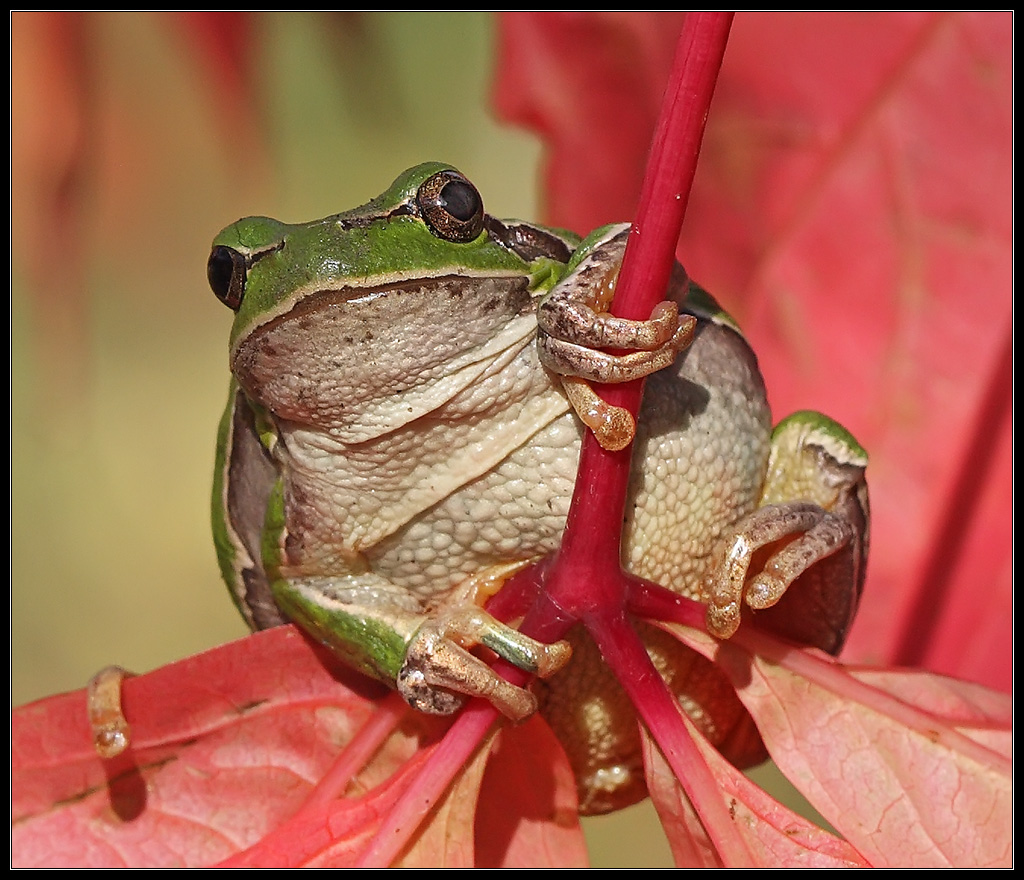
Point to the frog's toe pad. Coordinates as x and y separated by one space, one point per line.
613 426
765 590
418 692
723 620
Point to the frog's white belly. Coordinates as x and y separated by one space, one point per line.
417 503
489 477
516 510
703 439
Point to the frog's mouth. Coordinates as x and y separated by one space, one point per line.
339 354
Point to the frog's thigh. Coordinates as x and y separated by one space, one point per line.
698 468
362 619
818 533
384 631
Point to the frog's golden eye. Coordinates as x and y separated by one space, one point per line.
451 206
225 270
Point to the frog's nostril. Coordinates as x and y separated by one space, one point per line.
225 270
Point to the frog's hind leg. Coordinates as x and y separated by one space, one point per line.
385 632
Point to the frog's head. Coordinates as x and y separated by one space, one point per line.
371 301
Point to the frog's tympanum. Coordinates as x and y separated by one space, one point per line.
412 379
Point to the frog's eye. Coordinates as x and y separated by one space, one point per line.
225 270
451 206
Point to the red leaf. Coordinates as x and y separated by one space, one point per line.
226 746
855 181
854 187
591 85
527 816
51 151
224 46
913 769
334 834
776 836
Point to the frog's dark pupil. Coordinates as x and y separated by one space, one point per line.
218 271
460 200
225 270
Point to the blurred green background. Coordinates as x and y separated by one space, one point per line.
118 347
118 380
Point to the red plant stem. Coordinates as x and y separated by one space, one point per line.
450 755
590 544
625 653
650 251
585 580
655 602
378 727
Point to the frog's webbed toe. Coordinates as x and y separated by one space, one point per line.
439 669
815 535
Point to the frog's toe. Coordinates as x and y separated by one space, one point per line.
110 729
613 426
572 358
765 590
827 536
425 695
812 533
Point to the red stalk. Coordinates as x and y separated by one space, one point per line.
586 574
450 755
586 579
621 647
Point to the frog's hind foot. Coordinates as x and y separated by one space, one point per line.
439 671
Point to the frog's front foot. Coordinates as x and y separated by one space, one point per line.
439 670
813 535
579 365
575 329
573 334
570 341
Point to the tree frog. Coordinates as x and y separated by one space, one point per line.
411 382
